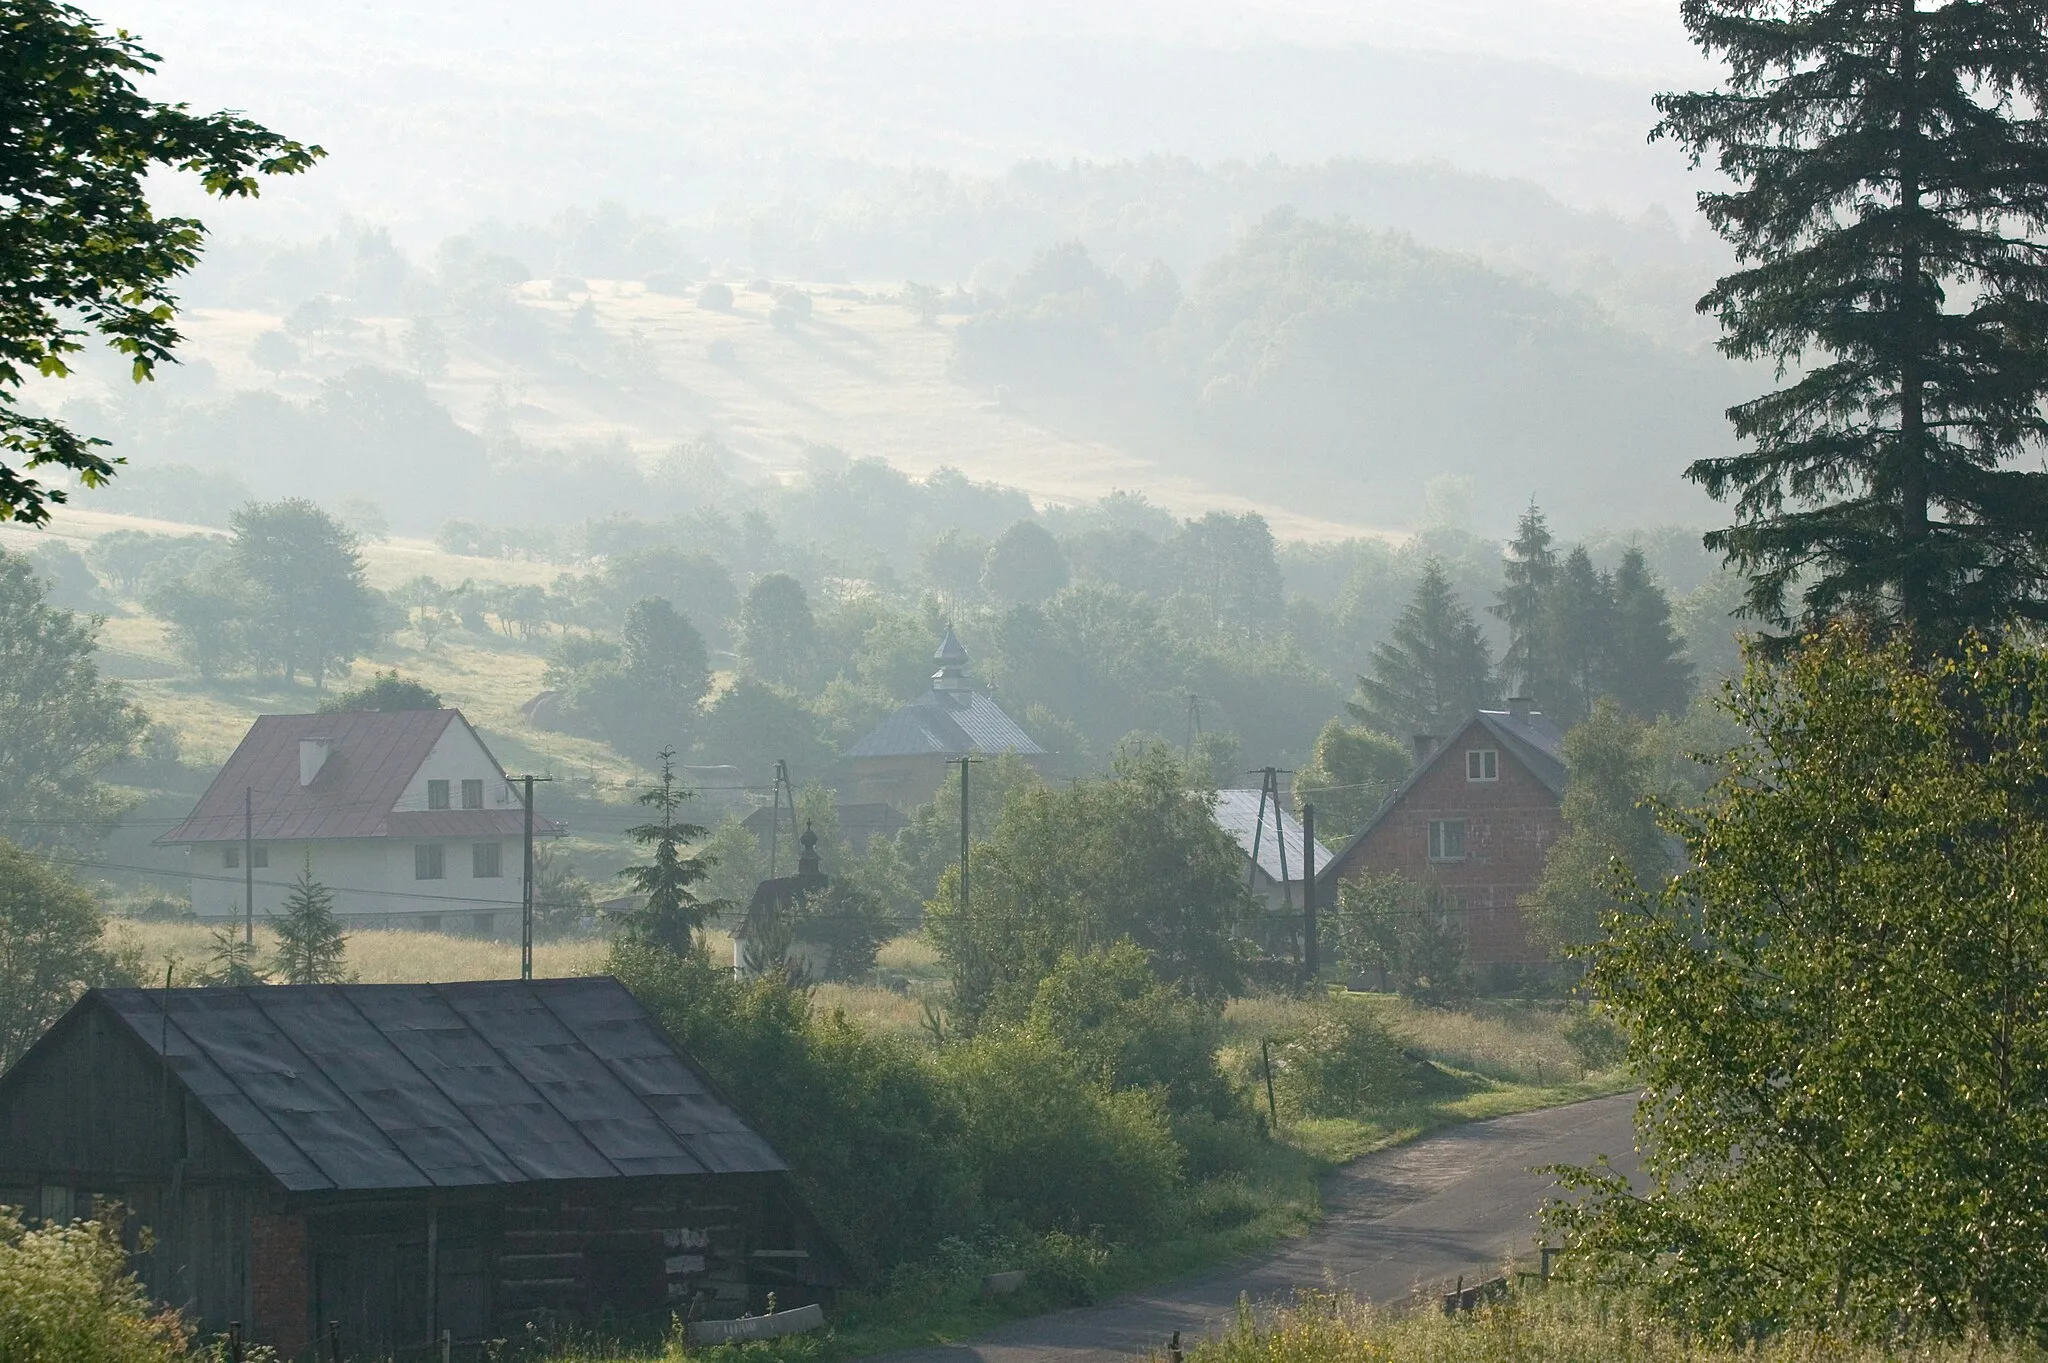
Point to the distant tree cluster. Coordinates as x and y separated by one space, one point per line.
286 591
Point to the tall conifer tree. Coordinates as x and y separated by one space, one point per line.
1434 671
1578 626
1648 672
1526 576
1890 169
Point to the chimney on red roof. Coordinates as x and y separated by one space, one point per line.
313 756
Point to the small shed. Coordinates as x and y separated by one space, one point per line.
404 1160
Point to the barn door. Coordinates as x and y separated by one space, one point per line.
375 1286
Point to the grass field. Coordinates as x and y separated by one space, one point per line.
1558 1325
862 373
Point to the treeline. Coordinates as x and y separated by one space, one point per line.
1313 359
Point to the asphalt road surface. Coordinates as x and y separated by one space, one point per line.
1420 1215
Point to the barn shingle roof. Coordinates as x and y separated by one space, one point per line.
393 1086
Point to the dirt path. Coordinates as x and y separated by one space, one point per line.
1455 1203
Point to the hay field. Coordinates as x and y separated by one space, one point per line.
862 373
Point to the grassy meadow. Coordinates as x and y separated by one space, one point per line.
1558 1325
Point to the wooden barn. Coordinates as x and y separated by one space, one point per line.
405 1160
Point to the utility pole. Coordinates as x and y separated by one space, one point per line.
248 867
966 766
782 783
526 883
1311 953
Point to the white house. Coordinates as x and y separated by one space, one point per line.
404 815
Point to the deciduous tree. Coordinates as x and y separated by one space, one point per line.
61 723
82 251
50 948
309 607
1837 1011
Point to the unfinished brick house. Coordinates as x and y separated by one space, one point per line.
1475 817
374 1165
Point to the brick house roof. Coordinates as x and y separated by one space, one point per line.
1527 737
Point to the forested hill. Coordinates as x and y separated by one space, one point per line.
1322 362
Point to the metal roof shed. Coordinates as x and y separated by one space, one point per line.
407 1159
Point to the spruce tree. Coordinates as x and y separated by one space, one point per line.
1578 628
310 945
1890 189
1647 671
1434 671
672 915
1527 574
231 961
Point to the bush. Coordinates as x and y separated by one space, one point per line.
872 1135
715 298
1113 1016
1343 1063
66 1296
1053 1149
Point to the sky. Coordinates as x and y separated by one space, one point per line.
436 115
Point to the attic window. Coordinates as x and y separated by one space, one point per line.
472 794
1482 764
437 795
1446 839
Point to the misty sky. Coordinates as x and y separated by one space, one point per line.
439 114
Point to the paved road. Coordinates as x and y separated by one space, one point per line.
1455 1203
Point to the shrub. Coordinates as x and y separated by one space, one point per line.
1055 1150
1112 1014
66 1296
1343 1063
872 1135
715 297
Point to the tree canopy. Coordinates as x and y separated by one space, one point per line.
308 605
1837 1011
61 723
1137 856
1434 671
1890 188
82 251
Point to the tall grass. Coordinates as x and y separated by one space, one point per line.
375 955
1558 1326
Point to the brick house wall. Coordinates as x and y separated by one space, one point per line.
279 1283
1510 823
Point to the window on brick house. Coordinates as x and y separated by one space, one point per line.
1482 764
1446 839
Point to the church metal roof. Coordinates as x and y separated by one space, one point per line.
947 724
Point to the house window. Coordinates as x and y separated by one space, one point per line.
231 857
427 863
472 794
485 861
259 857
1446 839
437 795
1482 764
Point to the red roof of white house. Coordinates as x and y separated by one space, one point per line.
372 757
